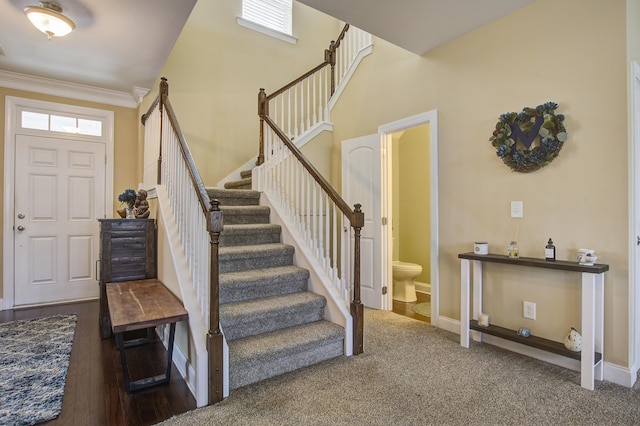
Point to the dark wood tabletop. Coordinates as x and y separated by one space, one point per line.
134 305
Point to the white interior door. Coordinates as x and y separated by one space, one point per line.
361 183
635 266
59 194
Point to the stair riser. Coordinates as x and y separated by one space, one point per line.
260 369
258 324
257 237
236 263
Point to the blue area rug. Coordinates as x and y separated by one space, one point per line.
34 357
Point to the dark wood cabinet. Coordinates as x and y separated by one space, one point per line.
127 253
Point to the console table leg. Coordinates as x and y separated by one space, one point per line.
464 302
588 330
477 297
599 327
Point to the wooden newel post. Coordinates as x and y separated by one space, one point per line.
357 308
214 336
330 57
164 94
263 110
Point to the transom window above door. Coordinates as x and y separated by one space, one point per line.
59 123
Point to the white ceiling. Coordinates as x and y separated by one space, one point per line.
117 44
122 44
417 25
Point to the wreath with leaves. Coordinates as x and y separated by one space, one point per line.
531 139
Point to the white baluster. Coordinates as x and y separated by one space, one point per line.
315 83
295 110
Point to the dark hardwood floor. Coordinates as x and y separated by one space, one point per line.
406 308
94 392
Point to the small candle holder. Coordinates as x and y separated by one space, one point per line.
483 320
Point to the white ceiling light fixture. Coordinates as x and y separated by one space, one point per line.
49 19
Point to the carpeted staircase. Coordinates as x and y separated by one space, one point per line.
271 322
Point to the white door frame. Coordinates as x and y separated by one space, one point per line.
385 131
13 107
634 232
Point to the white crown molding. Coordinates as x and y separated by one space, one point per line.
48 86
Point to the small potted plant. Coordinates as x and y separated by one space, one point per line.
128 197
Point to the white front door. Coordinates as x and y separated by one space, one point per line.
59 194
361 183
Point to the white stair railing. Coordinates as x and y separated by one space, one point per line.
328 227
198 224
302 104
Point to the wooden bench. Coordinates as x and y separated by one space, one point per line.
137 305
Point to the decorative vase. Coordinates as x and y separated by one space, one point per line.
130 213
573 340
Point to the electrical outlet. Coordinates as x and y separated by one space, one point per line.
529 310
516 209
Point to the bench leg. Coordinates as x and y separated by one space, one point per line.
149 381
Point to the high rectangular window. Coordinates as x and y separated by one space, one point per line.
274 14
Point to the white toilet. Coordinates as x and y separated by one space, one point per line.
404 275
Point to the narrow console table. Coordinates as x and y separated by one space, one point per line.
592 310
136 305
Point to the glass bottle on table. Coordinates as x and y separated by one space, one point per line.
512 250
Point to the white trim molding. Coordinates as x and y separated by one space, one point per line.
267 31
48 86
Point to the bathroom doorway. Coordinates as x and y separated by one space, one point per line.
410 224
410 202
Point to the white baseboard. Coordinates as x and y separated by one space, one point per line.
613 373
423 287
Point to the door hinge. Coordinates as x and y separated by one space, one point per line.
384 290
384 221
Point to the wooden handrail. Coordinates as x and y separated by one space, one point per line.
326 187
355 216
341 36
211 209
356 220
196 180
329 59
297 80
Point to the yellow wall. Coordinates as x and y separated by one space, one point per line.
216 69
125 142
572 52
414 221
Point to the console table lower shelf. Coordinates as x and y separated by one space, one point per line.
533 341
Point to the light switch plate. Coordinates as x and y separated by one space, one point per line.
516 209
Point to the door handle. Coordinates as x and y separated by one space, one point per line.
20 228
638 241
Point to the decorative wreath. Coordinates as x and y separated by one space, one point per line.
531 139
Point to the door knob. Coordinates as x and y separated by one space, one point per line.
21 216
20 228
638 241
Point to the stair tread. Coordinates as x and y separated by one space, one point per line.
247 228
256 250
277 343
247 209
236 193
267 307
290 272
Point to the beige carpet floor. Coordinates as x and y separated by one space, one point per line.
415 374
